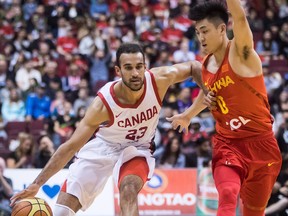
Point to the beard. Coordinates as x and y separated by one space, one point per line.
131 86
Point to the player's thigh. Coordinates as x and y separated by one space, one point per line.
69 200
87 179
135 172
256 191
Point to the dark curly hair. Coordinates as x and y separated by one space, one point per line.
215 11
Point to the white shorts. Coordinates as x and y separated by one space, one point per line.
96 162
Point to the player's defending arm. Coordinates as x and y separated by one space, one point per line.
243 38
167 75
95 115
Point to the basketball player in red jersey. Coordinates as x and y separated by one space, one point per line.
246 158
124 115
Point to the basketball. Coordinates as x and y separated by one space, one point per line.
31 207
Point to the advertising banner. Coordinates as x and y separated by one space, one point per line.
207 197
169 192
21 178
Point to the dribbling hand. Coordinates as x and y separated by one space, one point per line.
210 100
30 191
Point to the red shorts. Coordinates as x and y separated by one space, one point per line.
258 161
136 166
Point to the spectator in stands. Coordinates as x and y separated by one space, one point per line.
57 105
83 99
182 20
80 114
195 132
21 42
51 79
6 190
26 72
282 137
267 47
44 152
202 154
3 71
71 82
99 70
14 108
184 99
5 91
22 156
64 125
98 7
171 34
283 34
29 7
183 54
67 44
163 59
43 45
270 18
37 22
38 104
142 20
172 156
255 21
86 42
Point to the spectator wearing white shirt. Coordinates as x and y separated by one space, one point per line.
183 54
25 73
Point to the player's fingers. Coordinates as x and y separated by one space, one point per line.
186 130
169 118
13 199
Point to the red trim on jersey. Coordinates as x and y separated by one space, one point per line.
155 87
127 105
108 108
64 186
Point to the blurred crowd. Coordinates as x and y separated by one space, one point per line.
55 55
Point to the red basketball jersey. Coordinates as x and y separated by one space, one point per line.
242 103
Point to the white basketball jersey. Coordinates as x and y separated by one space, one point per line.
131 124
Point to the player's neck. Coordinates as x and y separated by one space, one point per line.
219 54
127 96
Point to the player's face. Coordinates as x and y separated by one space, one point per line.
209 36
131 70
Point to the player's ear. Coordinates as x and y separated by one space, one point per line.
118 71
223 28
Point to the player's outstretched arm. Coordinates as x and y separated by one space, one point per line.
242 32
95 115
167 75
242 46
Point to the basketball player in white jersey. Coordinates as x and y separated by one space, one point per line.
124 115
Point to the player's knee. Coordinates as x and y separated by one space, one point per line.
228 192
129 190
61 210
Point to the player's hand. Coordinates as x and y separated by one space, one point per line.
179 121
210 101
30 191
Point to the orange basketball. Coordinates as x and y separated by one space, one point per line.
31 207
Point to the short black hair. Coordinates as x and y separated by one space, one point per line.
128 48
212 10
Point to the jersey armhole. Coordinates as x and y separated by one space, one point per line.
100 95
155 87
